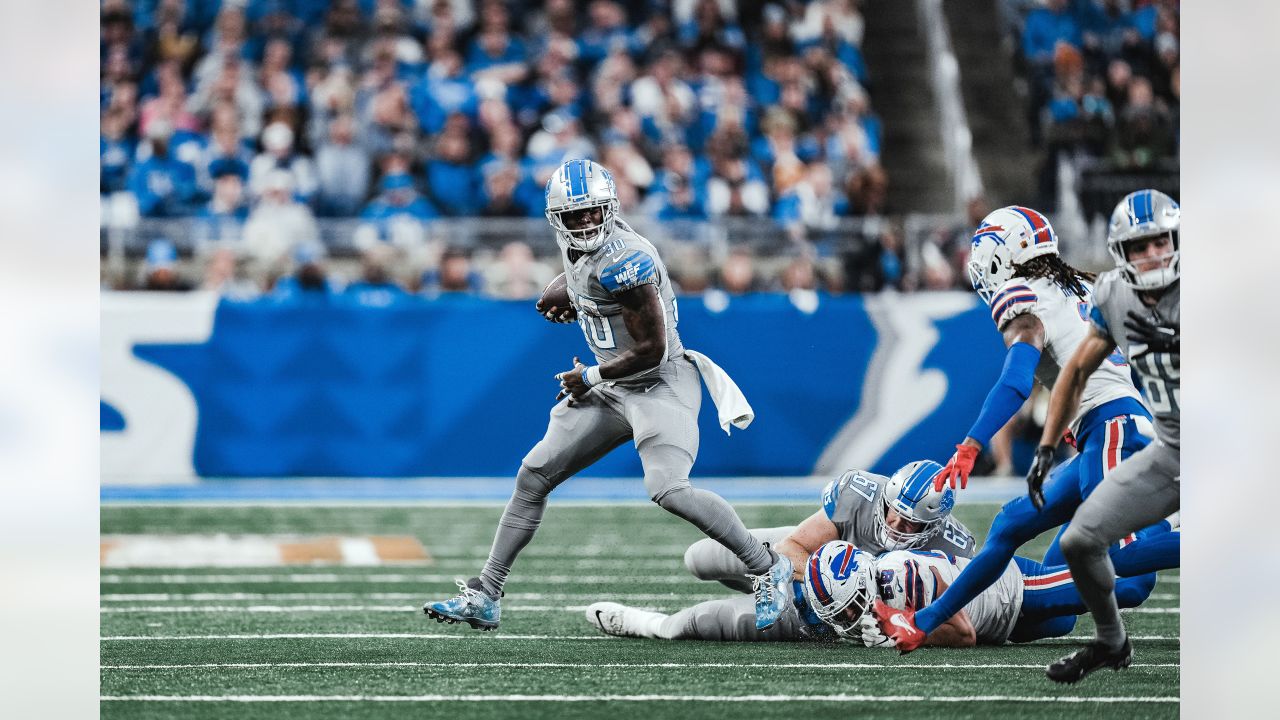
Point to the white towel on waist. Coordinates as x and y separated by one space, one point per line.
732 407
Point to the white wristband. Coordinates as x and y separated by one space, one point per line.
592 375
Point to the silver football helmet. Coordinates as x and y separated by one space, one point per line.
911 495
1007 237
839 586
1143 215
579 185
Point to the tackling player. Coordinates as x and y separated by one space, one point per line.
874 512
1041 306
1137 304
643 388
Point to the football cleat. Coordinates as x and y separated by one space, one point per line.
470 606
899 626
1094 656
773 592
622 621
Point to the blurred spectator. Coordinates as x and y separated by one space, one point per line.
278 224
225 143
164 186
451 179
1146 129
223 218
813 206
945 255
223 274
664 102
454 276
738 274
397 214
231 82
678 201
342 169
736 185
170 102
115 151
309 283
161 268
278 155
606 30
711 26
375 288
501 182
875 261
868 190
517 275
443 90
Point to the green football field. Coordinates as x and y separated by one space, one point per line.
344 641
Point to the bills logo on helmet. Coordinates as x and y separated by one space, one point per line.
843 564
991 231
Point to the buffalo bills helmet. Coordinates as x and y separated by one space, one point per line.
1006 238
839 586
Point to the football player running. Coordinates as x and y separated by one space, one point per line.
1135 307
1041 306
874 512
644 387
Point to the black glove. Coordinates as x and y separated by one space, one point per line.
1144 330
1039 471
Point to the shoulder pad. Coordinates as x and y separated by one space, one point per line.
628 270
1013 299
832 493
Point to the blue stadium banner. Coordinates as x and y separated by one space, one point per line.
461 386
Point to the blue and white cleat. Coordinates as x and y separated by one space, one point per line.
773 595
470 606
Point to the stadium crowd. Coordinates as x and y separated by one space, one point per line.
258 116
1104 82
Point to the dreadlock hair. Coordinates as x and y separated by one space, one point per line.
1063 275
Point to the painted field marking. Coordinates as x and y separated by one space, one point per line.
247 550
485 637
633 698
463 666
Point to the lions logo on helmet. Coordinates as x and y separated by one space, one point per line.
1007 237
910 494
580 185
839 586
1143 215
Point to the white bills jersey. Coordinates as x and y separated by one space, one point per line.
1066 322
915 578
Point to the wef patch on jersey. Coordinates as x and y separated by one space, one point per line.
632 271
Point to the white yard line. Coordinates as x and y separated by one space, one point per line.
414 608
416 578
550 597
633 698
814 666
471 636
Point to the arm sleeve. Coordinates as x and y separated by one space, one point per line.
634 269
1010 391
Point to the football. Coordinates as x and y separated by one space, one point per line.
555 297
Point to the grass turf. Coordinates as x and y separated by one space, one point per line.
629 553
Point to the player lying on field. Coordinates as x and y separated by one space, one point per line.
841 585
874 512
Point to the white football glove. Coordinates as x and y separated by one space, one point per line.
871 635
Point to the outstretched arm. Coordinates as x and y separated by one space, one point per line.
1024 336
1070 385
817 530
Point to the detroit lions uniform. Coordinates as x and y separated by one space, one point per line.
1146 486
852 503
657 408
